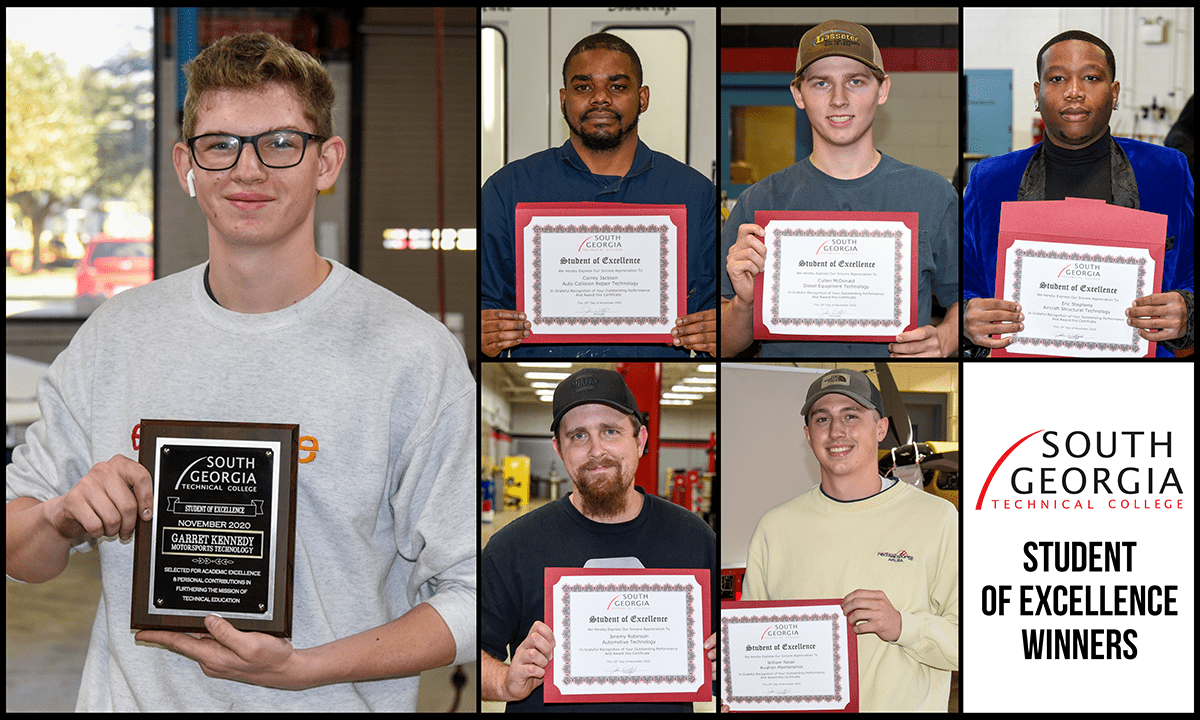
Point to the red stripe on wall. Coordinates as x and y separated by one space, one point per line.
920 59
696 444
784 60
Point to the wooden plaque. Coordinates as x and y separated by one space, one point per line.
223 535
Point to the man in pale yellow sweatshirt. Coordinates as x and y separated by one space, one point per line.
887 548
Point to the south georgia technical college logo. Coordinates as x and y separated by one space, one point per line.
1084 470
601 243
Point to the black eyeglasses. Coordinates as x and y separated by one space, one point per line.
275 148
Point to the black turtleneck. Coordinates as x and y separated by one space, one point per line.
1083 173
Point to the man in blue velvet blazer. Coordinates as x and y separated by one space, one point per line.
1076 94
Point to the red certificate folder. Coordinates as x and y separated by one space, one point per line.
593 329
857 330
770 607
699 613
1080 221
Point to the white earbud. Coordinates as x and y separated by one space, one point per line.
191 178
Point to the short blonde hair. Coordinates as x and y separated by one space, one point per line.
244 62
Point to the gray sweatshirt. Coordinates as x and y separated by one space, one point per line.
385 515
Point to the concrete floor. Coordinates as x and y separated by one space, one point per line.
46 636
47 627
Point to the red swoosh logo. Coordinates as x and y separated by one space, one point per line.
979 503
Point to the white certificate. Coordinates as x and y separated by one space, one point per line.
837 276
1074 297
627 635
601 272
788 655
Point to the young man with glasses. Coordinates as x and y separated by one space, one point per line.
266 331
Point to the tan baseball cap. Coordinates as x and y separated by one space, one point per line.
839 37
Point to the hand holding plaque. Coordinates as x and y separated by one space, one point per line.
222 536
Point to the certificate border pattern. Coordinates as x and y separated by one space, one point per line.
897 278
566 679
1058 344
664 304
838 685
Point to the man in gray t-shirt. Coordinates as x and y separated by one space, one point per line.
839 85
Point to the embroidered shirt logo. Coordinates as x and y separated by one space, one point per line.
897 557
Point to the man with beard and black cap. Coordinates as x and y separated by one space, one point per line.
602 161
607 521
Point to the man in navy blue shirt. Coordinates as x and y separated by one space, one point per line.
603 161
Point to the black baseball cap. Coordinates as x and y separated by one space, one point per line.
593 385
851 383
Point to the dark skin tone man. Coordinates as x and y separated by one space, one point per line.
1076 95
601 103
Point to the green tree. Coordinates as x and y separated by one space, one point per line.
50 145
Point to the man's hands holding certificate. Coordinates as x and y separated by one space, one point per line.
870 611
927 340
528 667
747 258
697 331
500 330
1158 317
986 317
